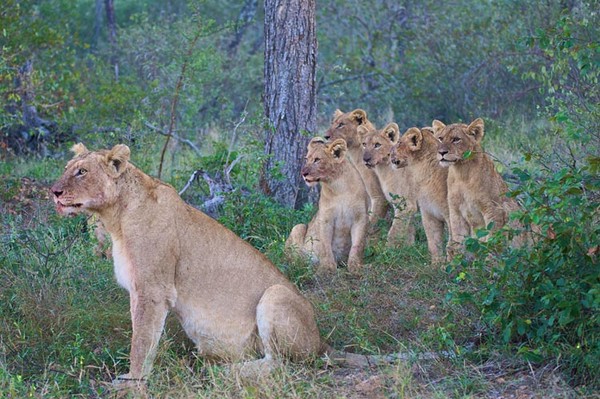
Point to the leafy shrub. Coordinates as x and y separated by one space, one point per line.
543 299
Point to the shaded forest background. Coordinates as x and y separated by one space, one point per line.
67 73
71 72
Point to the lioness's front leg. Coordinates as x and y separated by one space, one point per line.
148 314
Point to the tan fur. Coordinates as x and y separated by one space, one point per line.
476 191
337 231
344 126
416 153
377 145
231 300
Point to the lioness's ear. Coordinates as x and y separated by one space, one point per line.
338 149
337 114
437 126
79 149
359 115
475 129
392 132
117 158
415 138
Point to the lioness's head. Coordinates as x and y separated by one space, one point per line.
458 142
377 144
323 160
88 182
408 145
344 126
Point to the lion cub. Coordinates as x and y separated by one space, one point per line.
476 191
338 230
396 184
344 126
416 153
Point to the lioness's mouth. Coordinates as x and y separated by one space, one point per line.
60 204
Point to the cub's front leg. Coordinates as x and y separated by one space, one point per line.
358 234
327 262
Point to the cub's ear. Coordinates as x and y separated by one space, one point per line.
428 129
117 159
392 132
362 131
414 138
337 114
437 126
338 149
360 116
79 149
316 141
475 129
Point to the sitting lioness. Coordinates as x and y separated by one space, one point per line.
338 230
416 153
344 126
231 300
476 191
396 184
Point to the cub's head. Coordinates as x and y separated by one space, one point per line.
344 126
89 180
377 144
408 146
458 142
323 160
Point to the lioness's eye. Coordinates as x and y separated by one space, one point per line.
317 160
377 145
81 172
340 125
364 145
456 140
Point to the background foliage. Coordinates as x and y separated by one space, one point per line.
530 69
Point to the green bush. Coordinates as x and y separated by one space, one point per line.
542 299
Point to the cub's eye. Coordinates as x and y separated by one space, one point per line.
456 140
377 145
364 145
439 139
317 160
340 125
81 172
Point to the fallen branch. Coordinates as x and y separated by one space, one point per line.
176 137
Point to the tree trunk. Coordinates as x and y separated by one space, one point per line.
290 96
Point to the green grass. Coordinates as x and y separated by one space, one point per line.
65 328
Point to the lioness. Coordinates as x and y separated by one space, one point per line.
416 153
344 126
231 300
396 184
476 191
337 231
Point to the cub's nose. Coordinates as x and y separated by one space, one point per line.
442 152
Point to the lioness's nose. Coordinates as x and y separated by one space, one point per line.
443 152
56 191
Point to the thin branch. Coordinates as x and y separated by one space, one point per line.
193 177
176 137
175 99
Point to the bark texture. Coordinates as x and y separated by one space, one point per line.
290 96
